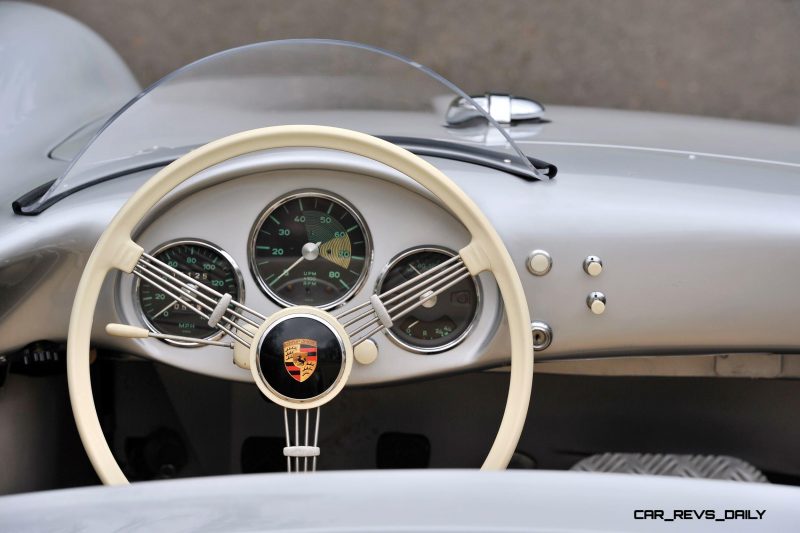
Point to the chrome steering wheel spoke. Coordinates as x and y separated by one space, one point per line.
310 444
219 309
383 309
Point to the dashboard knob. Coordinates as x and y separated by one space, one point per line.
596 301
593 265
539 262
366 353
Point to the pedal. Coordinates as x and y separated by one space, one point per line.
657 464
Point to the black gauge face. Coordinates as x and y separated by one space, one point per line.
444 320
207 266
310 249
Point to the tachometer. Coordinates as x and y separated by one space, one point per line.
310 248
442 321
207 265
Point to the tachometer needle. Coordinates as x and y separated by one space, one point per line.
308 253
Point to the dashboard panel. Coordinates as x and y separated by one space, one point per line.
665 253
322 237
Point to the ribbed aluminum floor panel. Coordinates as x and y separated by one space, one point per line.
695 466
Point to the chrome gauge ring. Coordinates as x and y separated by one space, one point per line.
310 248
442 322
203 261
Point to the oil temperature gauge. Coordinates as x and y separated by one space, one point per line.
444 320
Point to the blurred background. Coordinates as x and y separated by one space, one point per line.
731 58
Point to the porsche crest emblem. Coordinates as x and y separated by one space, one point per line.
300 358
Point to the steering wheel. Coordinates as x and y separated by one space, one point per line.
298 335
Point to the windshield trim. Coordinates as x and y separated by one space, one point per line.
26 205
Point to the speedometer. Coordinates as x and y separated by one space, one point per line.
310 248
206 265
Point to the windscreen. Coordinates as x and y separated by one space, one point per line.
320 82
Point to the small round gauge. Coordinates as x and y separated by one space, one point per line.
441 322
209 266
310 248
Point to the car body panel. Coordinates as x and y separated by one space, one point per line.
444 500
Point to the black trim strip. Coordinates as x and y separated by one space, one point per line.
423 147
479 156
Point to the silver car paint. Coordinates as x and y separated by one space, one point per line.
425 500
56 76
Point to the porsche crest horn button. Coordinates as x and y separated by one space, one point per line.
300 357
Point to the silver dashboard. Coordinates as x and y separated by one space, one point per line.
223 205
699 251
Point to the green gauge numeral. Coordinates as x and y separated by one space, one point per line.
334 275
338 234
325 220
209 266
277 251
300 218
191 260
284 232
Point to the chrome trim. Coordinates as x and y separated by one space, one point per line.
284 319
505 109
589 262
478 305
304 193
594 297
544 333
539 253
195 242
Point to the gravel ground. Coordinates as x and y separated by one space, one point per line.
731 58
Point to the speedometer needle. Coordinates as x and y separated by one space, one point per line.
310 251
192 286
173 302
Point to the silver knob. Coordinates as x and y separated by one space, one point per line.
596 301
593 265
539 262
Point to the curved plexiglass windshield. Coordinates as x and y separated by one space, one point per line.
330 83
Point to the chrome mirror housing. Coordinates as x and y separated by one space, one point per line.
503 108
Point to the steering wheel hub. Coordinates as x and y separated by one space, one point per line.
301 358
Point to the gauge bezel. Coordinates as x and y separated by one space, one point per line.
464 334
306 193
194 242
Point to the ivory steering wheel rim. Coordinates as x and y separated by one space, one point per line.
116 250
